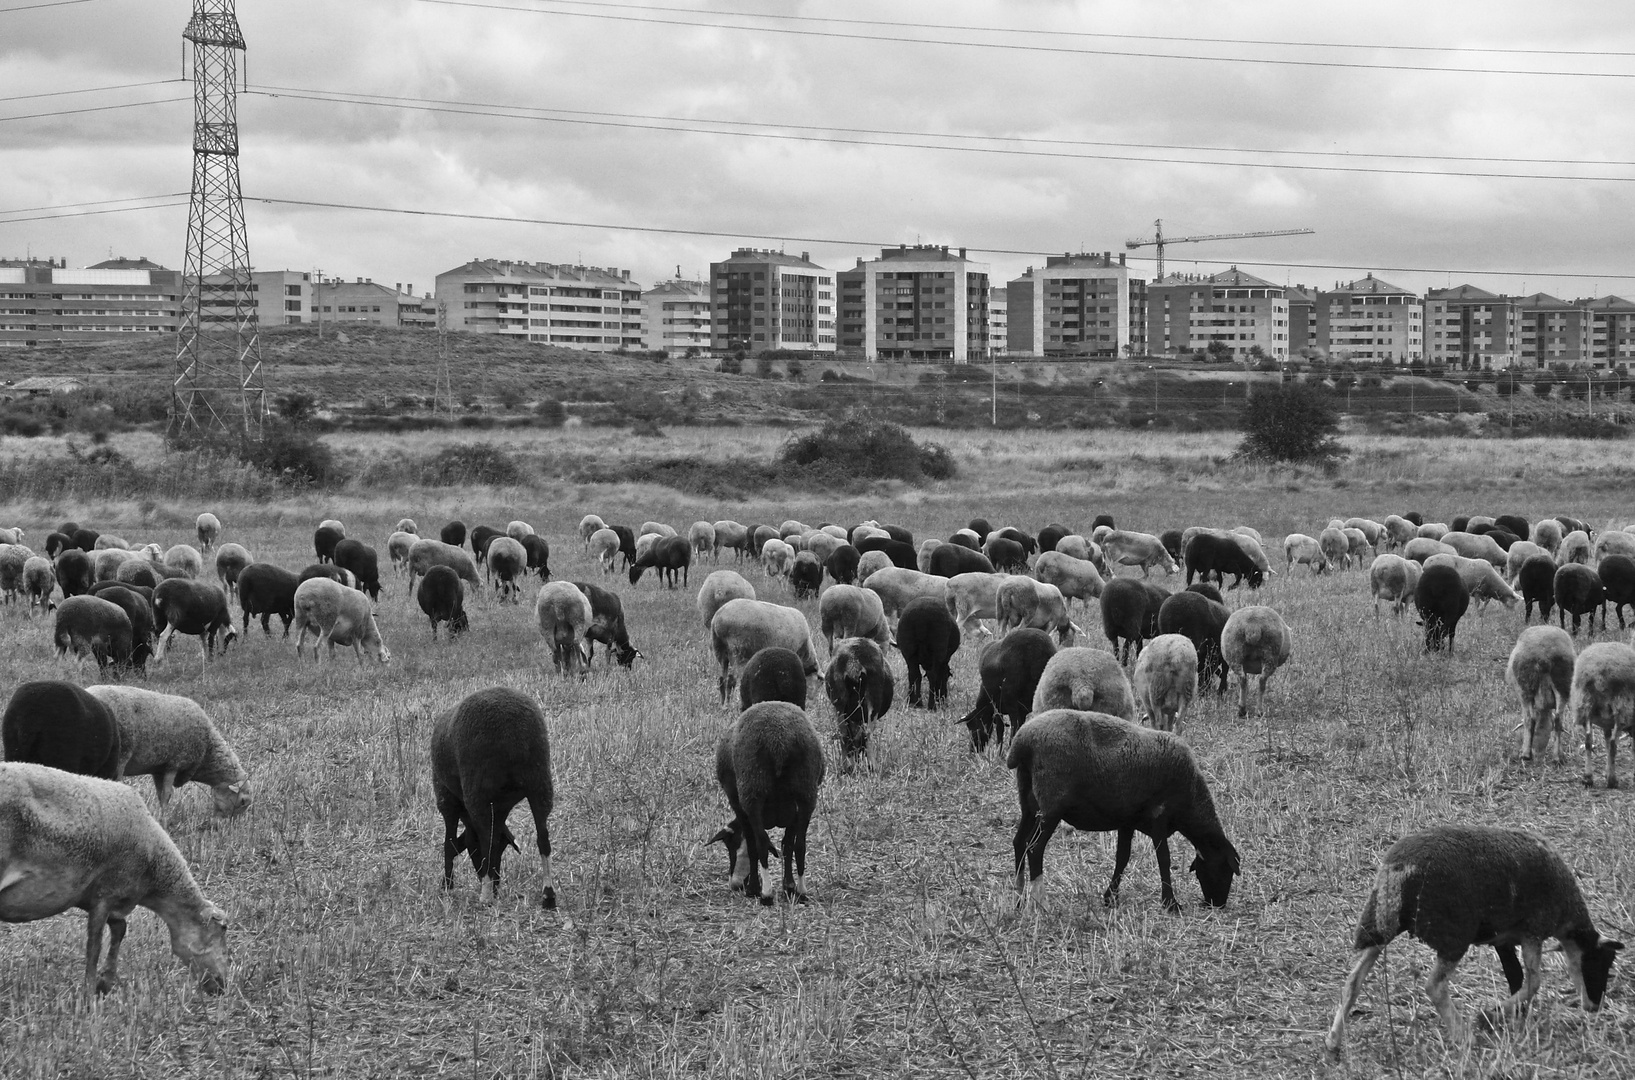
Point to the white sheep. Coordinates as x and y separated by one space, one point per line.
11 536
406 525
589 526
1393 579
1399 530
1603 695
922 558
603 546
1022 601
1089 680
1373 530
231 559
185 558
1547 534
1300 548
172 740
107 563
13 557
1519 552
973 597
1359 549
848 611
1124 548
655 528
427 553
871 562
77 841
1433 530
1076 578
1421 548
743 627
776 558
1166 680
336 615
1255 641
701 535
39 579
104 541
507 565
644 544
1477 546
516 530
791 527
1483 582
1575 548
823 545
1336 548
718 588
563 614
898 586
397 549
208 527
1541 670
731 534
1614 542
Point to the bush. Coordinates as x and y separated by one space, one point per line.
870 449
732 365
473 463
293 456
1542 383
1291 422
551 413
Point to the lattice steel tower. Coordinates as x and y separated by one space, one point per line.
218 384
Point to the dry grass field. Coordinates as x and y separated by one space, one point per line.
349 960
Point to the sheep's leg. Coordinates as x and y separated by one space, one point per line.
1121 859
1560 736
1034 841
914 685
1512 968
1243 694
1525 983
164 785
1612 757
799 844
1160 849
1265 675
96 919
1436 988
491 849
451 843
542 832
108 980
1589 757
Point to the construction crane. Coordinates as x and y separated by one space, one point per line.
1159 239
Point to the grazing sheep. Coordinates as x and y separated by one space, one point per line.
397 549
1579 592
843 564
55 543
516 530
1483 582
231 559
1615 542
589 526
1442 598
1137 549
336 615
668 555
185 606
1519 553
1603 694
1454 886
1256 641
848 611
980 527
1571 525
105 567
12 536
1514 524
1089 680
603 546
1548 534
1079 548
1124 615
1050 535
480 538
488 753
868 530
406 525
1300 548
78 841
1373 530
922 559
507 564
928 637
1541 670
1010 669
441 596
973 597
1617 574
1166 680
1575 548
39 580
607 625
1336 548
1209 554
267 590
1005 554
453 534
772 674
770 765
172 740
701 535
324 539
859 685
743 627
731 534
655 528
361 561
1201 620
897 552
1393 579
719 587
564 614
1421 548
806 575
898 588
137 604
208 527
73 569
951 560
776 558
1398 531
1433 530
824 546
539 555
1076 579
92 624
1359 549
965 538
1022 601
425 554
60 725
627 543
1472 546
1536 579
85 539
1099 773
110 542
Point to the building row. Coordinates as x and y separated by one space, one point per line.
914 303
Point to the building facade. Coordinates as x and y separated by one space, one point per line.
920 303
1187 312
1373 320
1472 329
43 302
676 317
768 300
1302 320
998 322
281 298
577 307
1077 305
335 300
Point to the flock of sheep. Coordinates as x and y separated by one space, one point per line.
1095 735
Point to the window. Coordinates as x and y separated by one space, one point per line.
292 290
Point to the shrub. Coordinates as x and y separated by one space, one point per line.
732 365
551 413
1542 383
293 456
472 463
297 408
763 366
1291 422
870 449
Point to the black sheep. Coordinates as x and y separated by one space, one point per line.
1029 544
899 534
928 637
142 591
539 555
770 765
1514 524
1010 670
324 539
1579 592
1156 595
1210 555
137 604
185 606
1460 523
965 539
85 539
1536 581
1171 539
1200 620
1207 588
138 572
74 571
1414 516
1572 524
1617 573
68 528
900 554
267 590
772 674
481 537
667 555
440 595
338 574
1503 537
1441 599
489 753
60 725
842 564
1050 534
57 543
362 562
981 527
1005 554
1124 615
1102 519
860 687
454 533
950 560
627 543
100 627
607 624
806 575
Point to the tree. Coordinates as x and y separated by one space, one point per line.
1507 384
732 365
297 407
1291 422
1543 382
794 368
1219 351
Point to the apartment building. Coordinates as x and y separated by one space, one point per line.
578 307
1186 312
1471 328
336 300
921 303
769 300
1302 320
1373 320
43 302
676 317
998 322
1078 305
281 297
1612 331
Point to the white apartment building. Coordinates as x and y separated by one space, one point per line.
676 317
594 308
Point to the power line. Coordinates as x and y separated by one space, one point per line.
96 202
91 213
92 109
91 89
1049 49
49 4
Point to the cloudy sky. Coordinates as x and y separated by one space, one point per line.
1031 126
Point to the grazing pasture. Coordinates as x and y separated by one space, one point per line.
913 958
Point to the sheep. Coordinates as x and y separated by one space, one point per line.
897 587
1201 619
805 575
1617 574
1080 548
759 535
1372 530
772 674
324 539
974 597
607 625
1398 531
1089 680
1615 542
1603 694
1442 598
73 570
102 628
1010 669
507 564
731 534
719 587
137 604
108 541
897 552
172 740
776 558
1541 670
1137 549
39 580
563 614
267 590
1393 579
952 559
55 543
980 527
1124 615
1099 773
1433 530
859 685
603 546
655 528
334 573
1514 524
85 539
425 554
1022 601
1536 578
1421 548
824 546
488 753
1575 548
516 530
1519 553
336 615
361 561
589 526
60 725
843 564
453 534
185 606
701 535
105 567
480 538
1005 554
1454 886
770 766
441 596
231 559
77 841
538 550
1483 582
1359 549
208 527
1219 555
1075 578
406 525
1571 524
839 532
1336 549
742 627
1050 535
1579 592
1472 546
849 611
1300 548
928 637
965 538
11 536
922 558
1255 641
1166 680
867 530
1548 534
668 555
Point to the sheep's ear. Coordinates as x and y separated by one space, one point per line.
722 837
1610 945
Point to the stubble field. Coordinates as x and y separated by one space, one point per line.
348 959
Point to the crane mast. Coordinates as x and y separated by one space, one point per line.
1159 239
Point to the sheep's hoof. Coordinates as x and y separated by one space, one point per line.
766 901
1331 1054
108 982
1109 898
1172 905
548 900
1612 783
1243 711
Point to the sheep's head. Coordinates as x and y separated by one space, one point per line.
467 842
1590 957
1215 871
626 654
232 798
459 622
733 837
201 943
